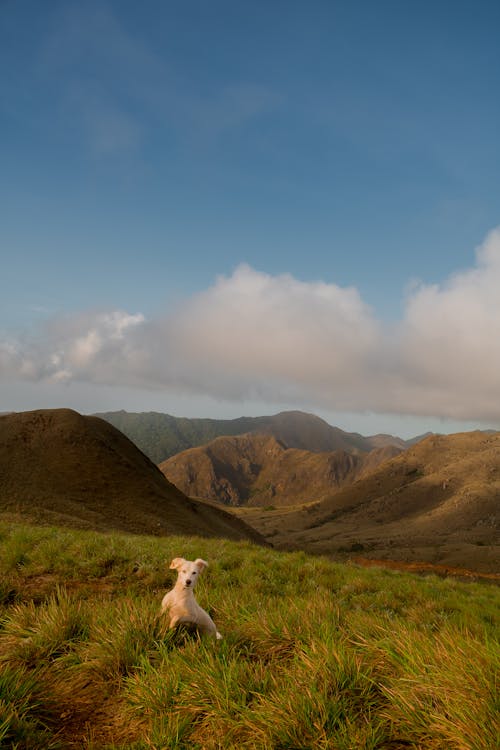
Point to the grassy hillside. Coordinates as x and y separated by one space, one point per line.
436 502
160 436
256 469
59 467
315 655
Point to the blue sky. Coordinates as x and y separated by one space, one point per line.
212 209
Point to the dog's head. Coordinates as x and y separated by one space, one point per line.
188 572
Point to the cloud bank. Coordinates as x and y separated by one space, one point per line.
276 338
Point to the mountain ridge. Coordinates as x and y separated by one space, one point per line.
161 436
257 469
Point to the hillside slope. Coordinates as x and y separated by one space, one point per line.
315 655
61 467
438 501
161 436
255 469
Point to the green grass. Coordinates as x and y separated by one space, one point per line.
315 655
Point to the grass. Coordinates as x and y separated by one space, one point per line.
315 655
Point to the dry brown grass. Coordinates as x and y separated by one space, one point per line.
259 470
436 503
57 466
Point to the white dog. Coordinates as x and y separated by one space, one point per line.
180 601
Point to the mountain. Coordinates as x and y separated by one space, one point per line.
161 436
59 467
256 469
418 438
438 501
384 441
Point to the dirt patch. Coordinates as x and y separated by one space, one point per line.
423 568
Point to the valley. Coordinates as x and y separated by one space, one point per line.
438 502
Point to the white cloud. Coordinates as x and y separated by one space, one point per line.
275 333
450 340
278 339
89 347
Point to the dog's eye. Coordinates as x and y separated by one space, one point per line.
193 573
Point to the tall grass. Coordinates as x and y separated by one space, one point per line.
22 710
315 655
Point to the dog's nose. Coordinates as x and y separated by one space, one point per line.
188 583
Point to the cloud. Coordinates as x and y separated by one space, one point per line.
275 338
450 339
88 347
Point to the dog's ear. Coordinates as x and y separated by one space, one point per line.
177 563
200 564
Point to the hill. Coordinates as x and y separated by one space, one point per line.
437 502
61 467
255 469
161 436
314 654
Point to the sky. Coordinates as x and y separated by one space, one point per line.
217 209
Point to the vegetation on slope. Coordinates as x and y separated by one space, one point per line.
59 467
436 502
255 469
160 436
315 655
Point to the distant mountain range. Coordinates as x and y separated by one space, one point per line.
62 468
257 469
161 436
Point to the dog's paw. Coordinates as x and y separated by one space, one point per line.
218 636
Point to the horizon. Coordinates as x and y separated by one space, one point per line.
218 210
452 428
